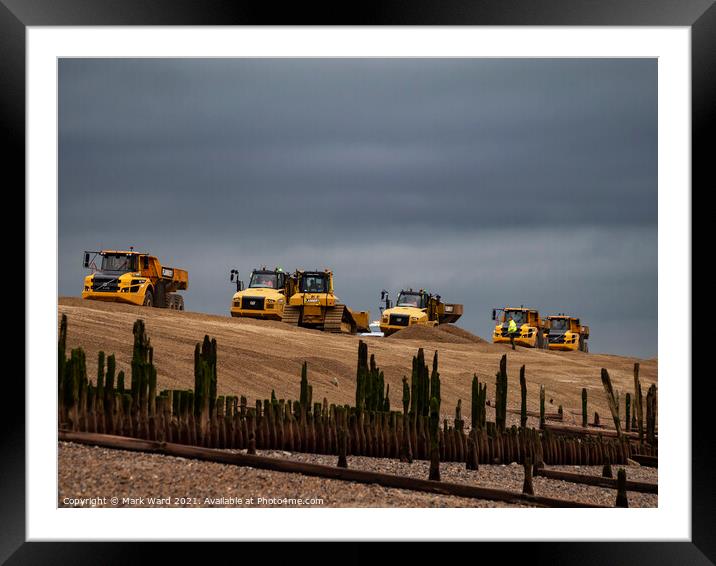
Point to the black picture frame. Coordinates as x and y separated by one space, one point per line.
699 15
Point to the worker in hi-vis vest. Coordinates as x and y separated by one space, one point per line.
512 331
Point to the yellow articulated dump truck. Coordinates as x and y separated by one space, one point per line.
566 333
531 329
313 304
266 295
419 308
135 278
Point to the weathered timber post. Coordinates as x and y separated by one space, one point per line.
474 403
621 489
473 458
288 420
638 400
251 422
617 398
627 412
91 408
361 432
75 376
611 400
142 367
61 358
435 381
205 382
651 415
406 396
541 406
100 383
501 395
607 468
361 374
420 386
342 426
527 487
434 447
523 395
109 393
584 407
406 451
459 423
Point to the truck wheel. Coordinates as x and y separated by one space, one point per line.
148 299
177 302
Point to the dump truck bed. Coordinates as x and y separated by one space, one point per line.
451 313
178 279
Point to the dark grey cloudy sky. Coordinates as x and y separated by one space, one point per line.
490 181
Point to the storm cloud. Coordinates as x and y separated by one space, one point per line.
489 181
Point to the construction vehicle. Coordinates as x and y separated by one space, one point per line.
266 295
566 333
314 304
531 329
416 308
133 277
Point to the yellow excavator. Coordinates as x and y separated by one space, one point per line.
531 329
567 334
132 277
266 295
416 308
314 304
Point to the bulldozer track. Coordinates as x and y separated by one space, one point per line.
291 315
333 321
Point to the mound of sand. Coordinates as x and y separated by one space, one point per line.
443 333
256 356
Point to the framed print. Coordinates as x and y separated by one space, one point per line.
313 282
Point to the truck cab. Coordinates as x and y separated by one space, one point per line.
411 308
567 334
420 308
265 297
531 330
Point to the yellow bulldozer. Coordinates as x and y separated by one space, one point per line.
313 304
416 308
132 277
566 333
265 297
531 329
